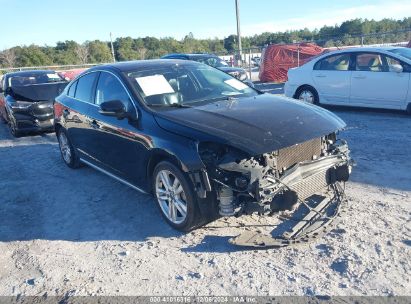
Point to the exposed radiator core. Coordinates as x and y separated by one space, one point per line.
289 156
311 185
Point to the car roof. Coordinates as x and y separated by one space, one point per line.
127 66
30 73
384 50
194 55
365 49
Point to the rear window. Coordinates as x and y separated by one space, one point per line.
85 87
72 89
35 78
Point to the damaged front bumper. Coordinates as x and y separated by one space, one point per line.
323 211
258 185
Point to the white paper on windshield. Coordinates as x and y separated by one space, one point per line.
236 84
154 85
52 76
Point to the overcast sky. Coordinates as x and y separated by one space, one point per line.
47 21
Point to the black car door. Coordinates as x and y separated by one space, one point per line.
79 102
116 144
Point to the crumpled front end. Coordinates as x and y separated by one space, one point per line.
278 180
33 116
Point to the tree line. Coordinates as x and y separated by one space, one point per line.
350 32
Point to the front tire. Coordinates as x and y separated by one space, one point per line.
13 128
175 197
307 94
67 150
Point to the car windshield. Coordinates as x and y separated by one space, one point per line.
404 52
211 61
186 84
35 78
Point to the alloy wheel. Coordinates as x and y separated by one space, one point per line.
171 196
65 147
307 96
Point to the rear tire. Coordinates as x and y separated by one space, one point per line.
176 198
408 109
68 153
307 94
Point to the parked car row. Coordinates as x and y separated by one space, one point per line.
214 61
205 143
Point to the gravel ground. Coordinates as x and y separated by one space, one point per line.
78 232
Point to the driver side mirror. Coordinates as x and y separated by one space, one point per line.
1 90
114 108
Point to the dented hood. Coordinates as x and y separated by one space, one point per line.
255 125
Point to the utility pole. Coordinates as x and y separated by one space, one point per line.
112 47
237 11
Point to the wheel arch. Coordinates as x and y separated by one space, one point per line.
317 100
208 206
305 86
157 156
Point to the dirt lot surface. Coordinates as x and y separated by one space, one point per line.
78 232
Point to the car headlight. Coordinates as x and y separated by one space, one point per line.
20 105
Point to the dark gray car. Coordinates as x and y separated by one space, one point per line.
212 60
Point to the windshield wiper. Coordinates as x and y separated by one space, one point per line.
173 105
221 98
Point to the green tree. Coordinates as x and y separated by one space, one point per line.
99 52
34 56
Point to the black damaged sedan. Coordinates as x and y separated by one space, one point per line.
202 142
26 100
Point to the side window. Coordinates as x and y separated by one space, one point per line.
334 63
370 62
72 89
85 85
109 88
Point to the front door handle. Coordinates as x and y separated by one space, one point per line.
94 125
320 76
359 77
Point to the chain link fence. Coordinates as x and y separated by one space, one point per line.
49 67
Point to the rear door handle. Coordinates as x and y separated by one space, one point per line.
359 77
94 124
320 76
